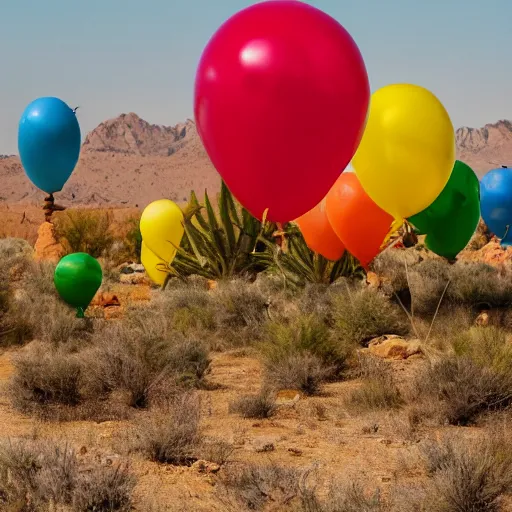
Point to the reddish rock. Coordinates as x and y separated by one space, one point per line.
47 247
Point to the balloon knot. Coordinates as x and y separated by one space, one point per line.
80 312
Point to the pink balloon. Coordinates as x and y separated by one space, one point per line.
281 98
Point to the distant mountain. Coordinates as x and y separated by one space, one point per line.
129 162
485 148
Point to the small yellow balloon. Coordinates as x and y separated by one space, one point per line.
151 264
161 227
407 151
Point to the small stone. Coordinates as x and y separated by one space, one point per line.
386 479
295 452
386 442
83 450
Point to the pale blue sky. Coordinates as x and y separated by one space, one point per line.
115 56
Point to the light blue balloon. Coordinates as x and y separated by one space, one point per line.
49 143
496 203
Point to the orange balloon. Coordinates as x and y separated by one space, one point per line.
318 233
359 223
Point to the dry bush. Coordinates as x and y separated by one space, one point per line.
85 230
39 476
253 487
343 497
142 362
459 390
378 389
259 406
467 475
170 435
44 376
297 370
311 335
363 314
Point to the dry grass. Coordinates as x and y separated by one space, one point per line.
259 406
378 389
170 435
38 476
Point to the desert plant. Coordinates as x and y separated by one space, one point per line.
45 376
252 487
85 231
171 435
41 475
467 475
363 314
141 362
378 389
262 405
462 390
299 265
223 245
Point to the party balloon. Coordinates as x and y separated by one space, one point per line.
152 264
360 224
318 233
161 227
281 98
451 220
77 278
49 143
496 203
407 151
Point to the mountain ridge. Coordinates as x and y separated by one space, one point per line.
128 162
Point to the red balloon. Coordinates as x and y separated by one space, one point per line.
359 223
281 98
318 233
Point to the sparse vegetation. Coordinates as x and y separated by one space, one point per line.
261 405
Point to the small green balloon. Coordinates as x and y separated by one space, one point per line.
451 220
78 277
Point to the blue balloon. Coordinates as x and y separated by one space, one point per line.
49 143
496 203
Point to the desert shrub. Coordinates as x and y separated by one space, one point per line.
141 362
295 370
479 284
45 376
467 475
239 304
363 314
462 389
344 497
171 435
41 475
307 334
378 389
260 406
253 487
85 230
133 240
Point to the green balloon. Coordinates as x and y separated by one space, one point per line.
77 278
451 220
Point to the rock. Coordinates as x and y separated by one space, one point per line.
482 320
263 444
203 466
47 247
134 278
394 347
105 300
110 460
211 284
295 452
373 280
131 268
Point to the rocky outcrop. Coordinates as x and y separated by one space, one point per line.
47 247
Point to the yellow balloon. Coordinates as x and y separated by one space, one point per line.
151 263
161 227
407 151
